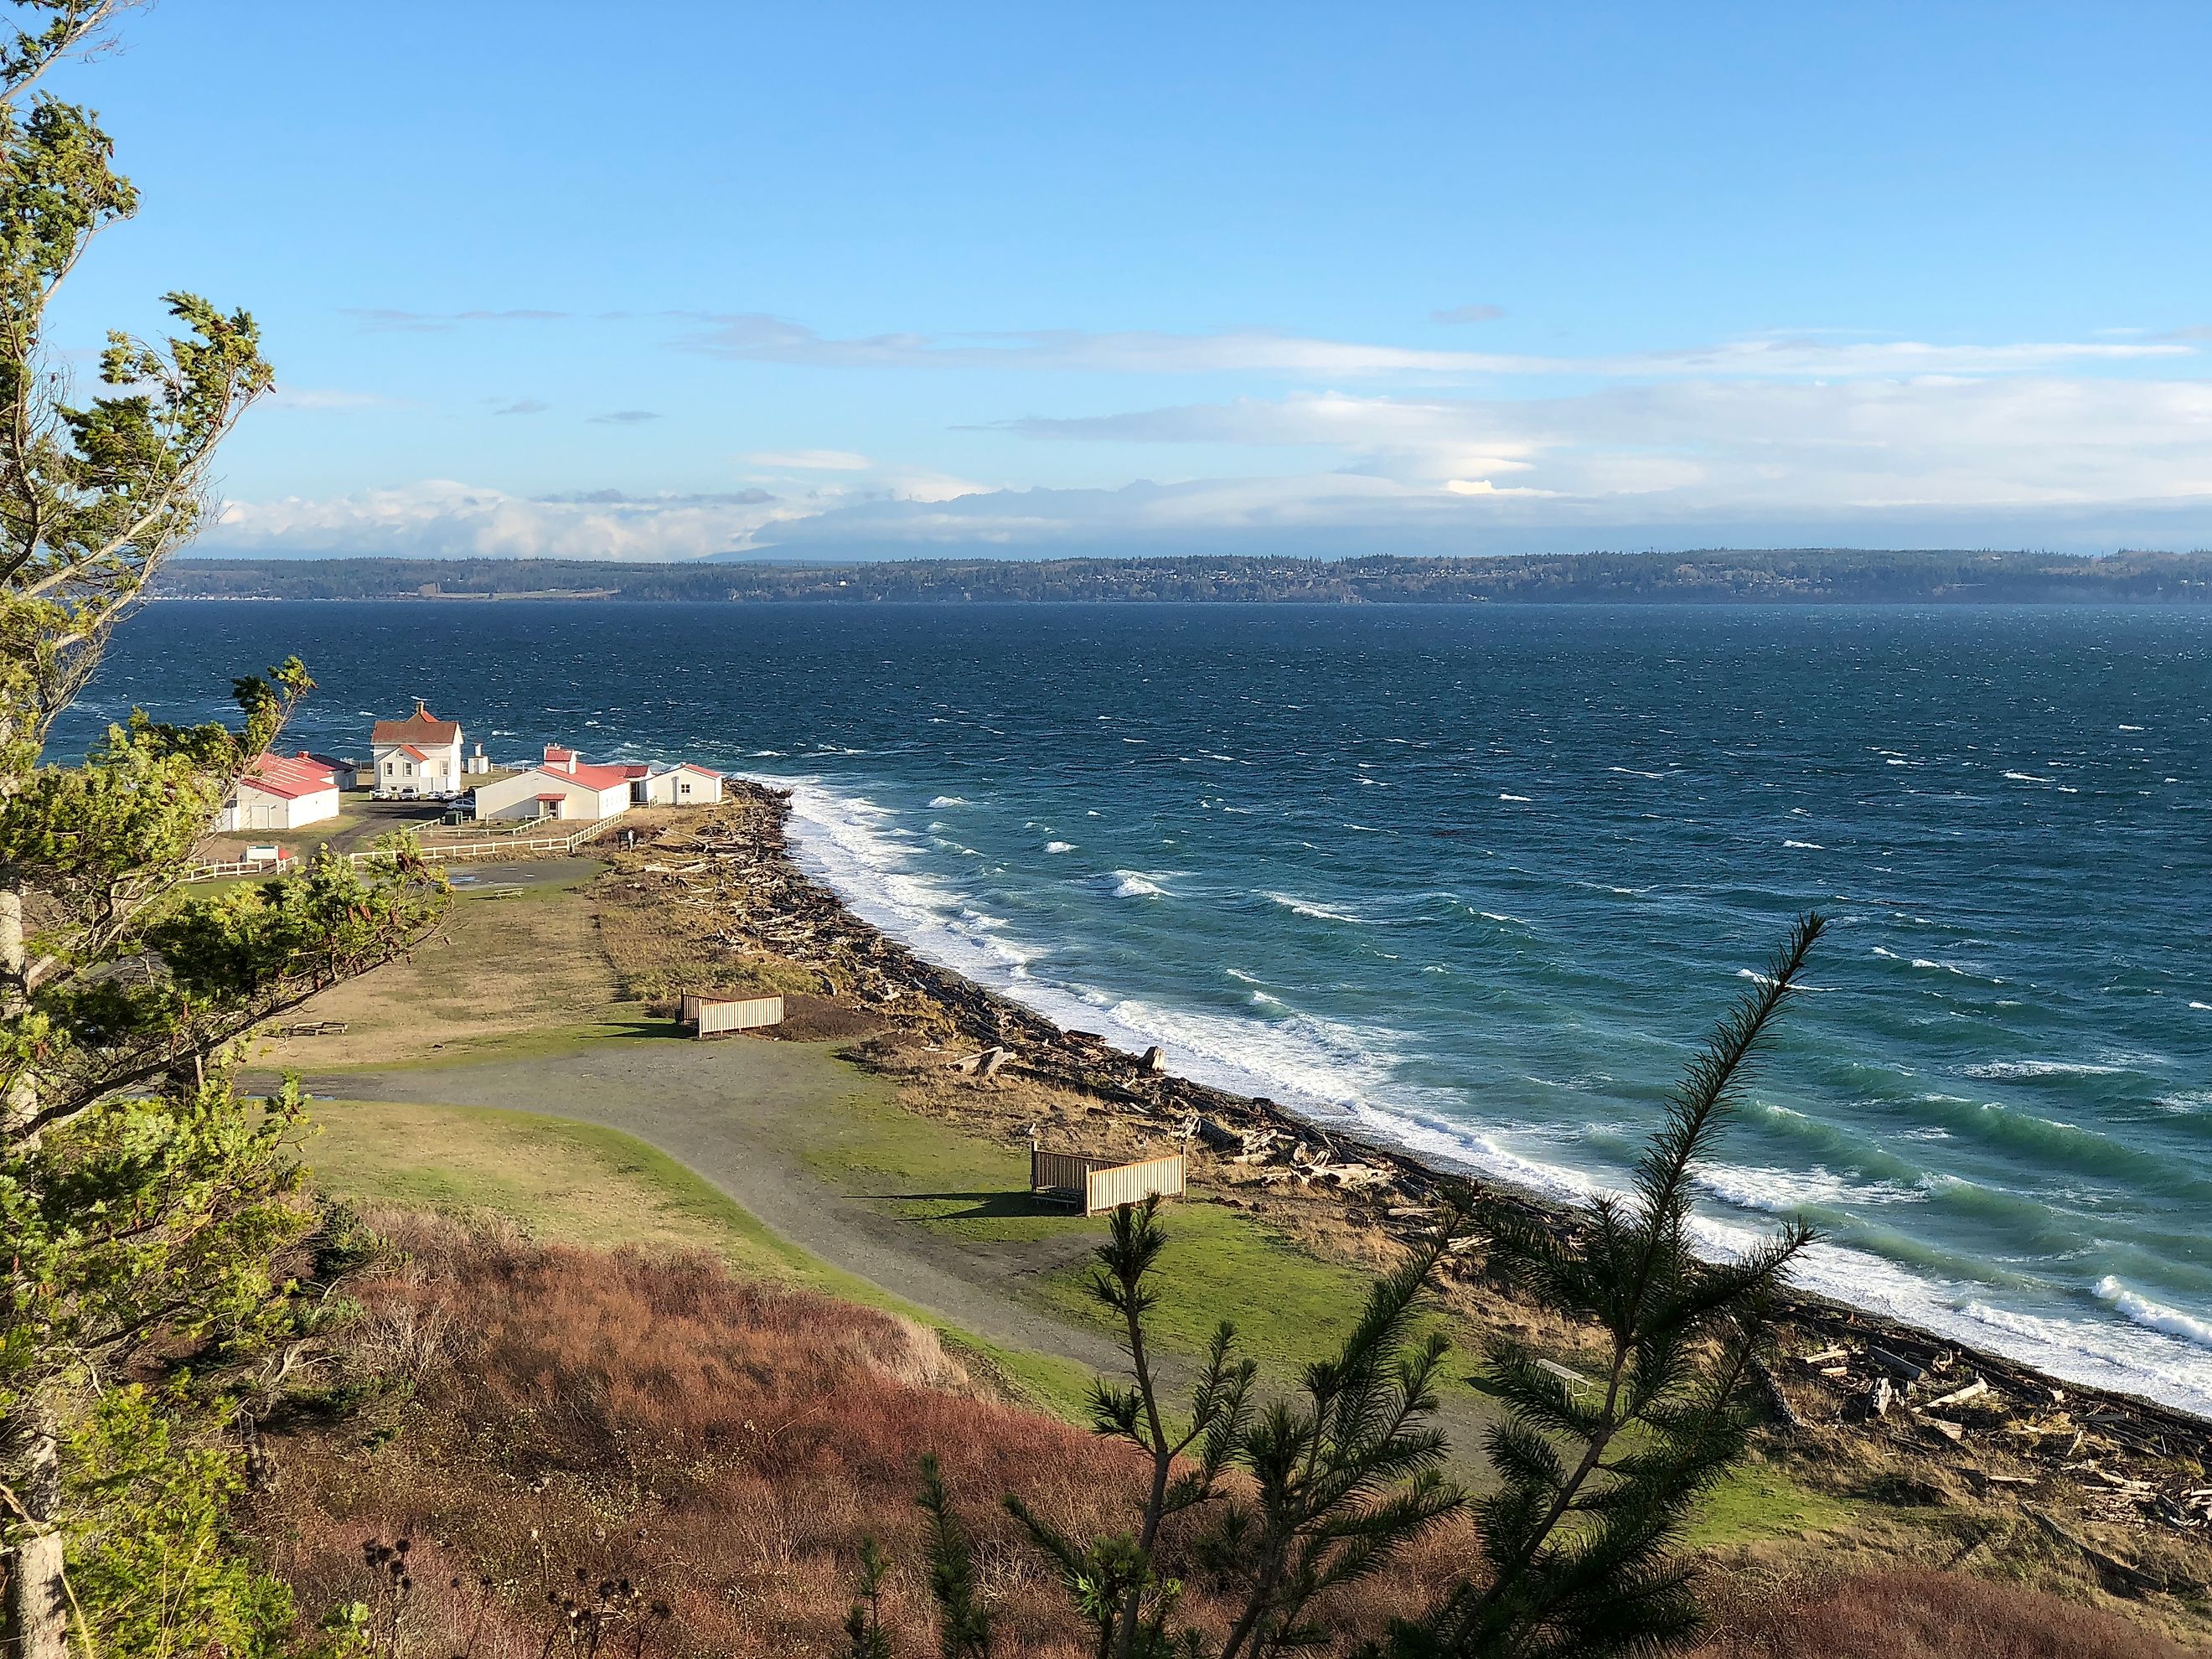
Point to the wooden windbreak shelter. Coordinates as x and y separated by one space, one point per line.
705 1015
1101 1184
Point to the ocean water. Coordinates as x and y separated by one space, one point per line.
1477 879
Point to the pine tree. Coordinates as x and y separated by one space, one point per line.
147 1208
1581 1539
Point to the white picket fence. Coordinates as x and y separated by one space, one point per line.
436 852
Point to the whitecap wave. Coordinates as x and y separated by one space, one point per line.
1519 797
1130 884
2155 1315
859 849
1060 846
1315 908
1806 846
1776 1191
2007 1070
946 801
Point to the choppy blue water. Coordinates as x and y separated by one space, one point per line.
1479 878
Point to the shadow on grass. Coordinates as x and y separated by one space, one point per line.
981 1205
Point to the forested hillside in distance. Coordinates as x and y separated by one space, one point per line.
1833 576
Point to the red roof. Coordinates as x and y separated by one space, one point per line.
635 770
598 777
554 752
409 748
584 777
421 727
686 766
288 777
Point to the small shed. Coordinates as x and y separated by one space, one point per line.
706 1015
1101 1184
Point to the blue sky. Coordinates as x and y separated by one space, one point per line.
833 281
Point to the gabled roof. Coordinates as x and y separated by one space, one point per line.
635 770
409 748
288 776
598 778
332 762
421 727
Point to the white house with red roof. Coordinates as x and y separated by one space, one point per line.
417 757
281 792
562 786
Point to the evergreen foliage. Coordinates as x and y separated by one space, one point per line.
149 1210
1580 1539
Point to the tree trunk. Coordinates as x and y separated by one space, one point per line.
37 1611
19 1099
37 1620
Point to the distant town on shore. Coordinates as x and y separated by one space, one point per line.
1826 575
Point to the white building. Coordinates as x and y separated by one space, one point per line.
417 757
672 783
561 786
281 792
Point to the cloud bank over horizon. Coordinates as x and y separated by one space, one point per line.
1803 441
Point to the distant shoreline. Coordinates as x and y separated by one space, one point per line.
1808 576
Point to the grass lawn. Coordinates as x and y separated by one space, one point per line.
1289 1306
1758 1502
581 1184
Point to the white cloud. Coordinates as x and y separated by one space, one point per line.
442 519
439 519
759 337
1926 440
809 460
324 397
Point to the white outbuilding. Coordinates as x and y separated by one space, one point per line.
281 792
560 787
674 783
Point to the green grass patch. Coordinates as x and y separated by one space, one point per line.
1758 1502
1289 1308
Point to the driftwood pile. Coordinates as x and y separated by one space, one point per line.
2126 1459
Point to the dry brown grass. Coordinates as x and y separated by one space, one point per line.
1924 1615
496 967
725 1444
